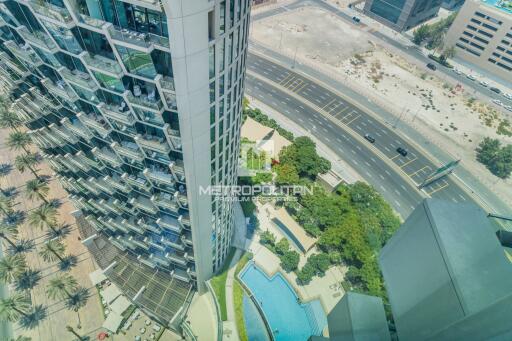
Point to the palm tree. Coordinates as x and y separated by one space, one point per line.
7 230
5 169
76 301
18 140
11 267
26 162
21 338
9 119
27 280
14 307
72 331
61 287
37 189
53 250
6 205
44 217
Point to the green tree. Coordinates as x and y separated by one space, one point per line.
11 267
9 120
267 238
421 34
27 162
61 287
320 262
286 174
496 158
44 217
37 189
52 251
306 274
289 261
18 140
72 331
6 231
447 54
302 155
6 205
282 246
14 307
27 280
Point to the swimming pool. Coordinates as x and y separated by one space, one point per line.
288 319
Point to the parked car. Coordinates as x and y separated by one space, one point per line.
402 151
432 66
508 96
484 83
497 102
496 90
369 138
356 19
457 71
471 77
508 107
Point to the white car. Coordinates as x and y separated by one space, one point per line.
457 71
497 102
508 96
473 78
484 83
508 107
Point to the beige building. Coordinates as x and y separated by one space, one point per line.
482 35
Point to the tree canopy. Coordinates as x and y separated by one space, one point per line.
302 155
497 158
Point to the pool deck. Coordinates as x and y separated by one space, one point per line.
327 289
202 317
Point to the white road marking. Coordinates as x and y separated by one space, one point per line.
387 148
382 177
460 195
397 191
396 202
369 174
387 172
382 188
355 162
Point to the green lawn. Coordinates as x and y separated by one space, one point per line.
238 294
219 285
248 207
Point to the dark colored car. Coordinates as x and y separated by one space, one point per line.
356 19
401 151
369 138
496 90
432 66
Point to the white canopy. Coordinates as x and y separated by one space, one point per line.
113 322
111 293
97 277
120 305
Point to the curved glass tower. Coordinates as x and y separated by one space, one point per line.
137 106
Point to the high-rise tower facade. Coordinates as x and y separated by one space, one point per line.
137 106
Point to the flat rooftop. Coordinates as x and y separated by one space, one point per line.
502 5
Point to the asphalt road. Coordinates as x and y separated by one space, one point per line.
413 51
334 119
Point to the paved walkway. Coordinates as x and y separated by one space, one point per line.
230 331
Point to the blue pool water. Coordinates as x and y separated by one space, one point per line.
256 330
288 319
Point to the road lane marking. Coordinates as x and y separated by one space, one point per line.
408 162
328 104
394 157
438 189
352 120
419 170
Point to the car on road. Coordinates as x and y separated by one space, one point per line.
508 107
432 66
471 77
370 138
508 96
496 90
457 71
401 151
484 83
497 102
356 19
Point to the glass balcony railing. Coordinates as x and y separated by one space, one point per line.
144 204
132 225
177 258
186 237
105 155
139 243
169 223
117 113
117 183
178 245
24 53
167 83
49 10
118 224
41 40
159 176
103 64
152 142
136 181
77 128
129 150
174 136
87 20
178 170
82 79
96 122
15 66
149 226
181 199
144 40
63 133
144 100
184 220
61 89
166 201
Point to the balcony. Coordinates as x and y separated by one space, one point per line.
173 136
146 101
51 11
166 201
187 238
158 144
144 40
184 220
129 150
110 205
133 226
144 204
15 66
96 122
167 83
118 113
79 78
87 186
181 199
103 64
160 261
169 223
149 226
139 243
52 137
98 206
117 244
107 156
77 128
177 244
117 224
136 181
176 258
159 176
104 186
82 158
60 89
122 206
178 170
63 133
39 39
156 244
181 275
117 183
83 166
24 53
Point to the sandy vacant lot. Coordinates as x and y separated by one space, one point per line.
443 112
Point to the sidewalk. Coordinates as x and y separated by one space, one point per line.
230 331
